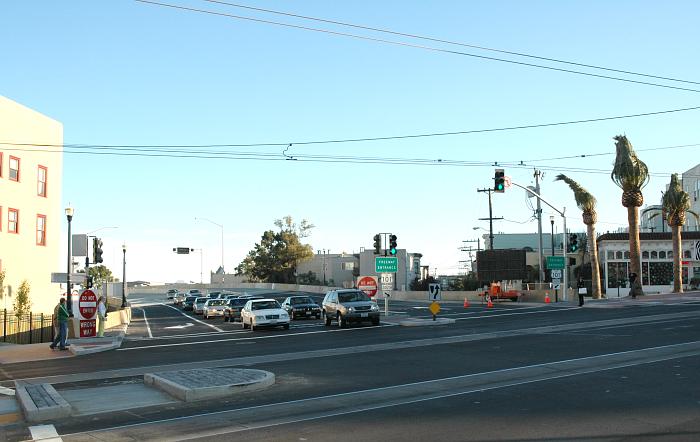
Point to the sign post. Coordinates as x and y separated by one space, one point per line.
435 295
387 280
87 307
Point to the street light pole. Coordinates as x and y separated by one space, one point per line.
551 221
124 277
222 238
69 298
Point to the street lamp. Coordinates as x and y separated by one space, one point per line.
551 221
222 238
124 277
69 298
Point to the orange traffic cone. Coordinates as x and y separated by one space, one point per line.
490 304
466 303
546 298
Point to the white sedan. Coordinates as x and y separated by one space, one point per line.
258 313
214 307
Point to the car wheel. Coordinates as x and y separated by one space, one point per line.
286 326
252 327
226 319
327 319
342 322
375 321
205 316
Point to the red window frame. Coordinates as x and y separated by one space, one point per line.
10 168
16 222
39 182
41 233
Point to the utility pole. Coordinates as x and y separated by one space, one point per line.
540 253
490 218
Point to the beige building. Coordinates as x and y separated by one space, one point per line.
31 165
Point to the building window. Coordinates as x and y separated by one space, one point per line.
687 255
669 254
14 168
41 181
618 254
348 266
645 255
654 255
662 255
617 274
627 255
660 273
41 230
611 254
13 220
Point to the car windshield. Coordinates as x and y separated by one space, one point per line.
237 302
264 305
217 302
201 300
353 297
302 300
190 298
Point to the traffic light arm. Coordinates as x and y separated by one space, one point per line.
565 247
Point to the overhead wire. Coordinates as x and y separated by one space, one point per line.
450 42
416 46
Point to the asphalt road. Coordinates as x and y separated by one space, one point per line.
514 372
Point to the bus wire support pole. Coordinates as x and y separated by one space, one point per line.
565 241
490 218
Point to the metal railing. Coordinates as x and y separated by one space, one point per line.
26 329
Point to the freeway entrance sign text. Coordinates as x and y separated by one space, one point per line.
386 264
555 262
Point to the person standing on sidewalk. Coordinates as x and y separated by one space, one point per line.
62 318
101 317
581 291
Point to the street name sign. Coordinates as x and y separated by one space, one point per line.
386 264
555 262
57 277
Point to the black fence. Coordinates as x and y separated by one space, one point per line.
26 329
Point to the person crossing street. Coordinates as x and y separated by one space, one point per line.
62 318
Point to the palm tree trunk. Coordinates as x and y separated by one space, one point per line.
595 268
677 251
635 254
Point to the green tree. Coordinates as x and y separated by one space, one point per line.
22 304
676 203
308 278
631 175
100 274
587 203
276 257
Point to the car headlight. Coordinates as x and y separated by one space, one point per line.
284 316
375 307
350 309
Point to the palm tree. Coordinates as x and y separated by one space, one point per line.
587 203
676 203
631 175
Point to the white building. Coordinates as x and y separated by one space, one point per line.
657 261
31 165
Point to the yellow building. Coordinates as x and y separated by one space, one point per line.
31 218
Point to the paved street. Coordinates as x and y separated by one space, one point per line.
608 371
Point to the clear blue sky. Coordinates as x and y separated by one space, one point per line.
123 72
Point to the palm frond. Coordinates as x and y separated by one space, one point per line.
675 200
584 200
629 172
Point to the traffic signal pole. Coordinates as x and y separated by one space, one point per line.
490 218
566 245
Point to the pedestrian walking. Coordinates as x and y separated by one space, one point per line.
581 291
62 319
101 317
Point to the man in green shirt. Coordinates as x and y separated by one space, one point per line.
62 318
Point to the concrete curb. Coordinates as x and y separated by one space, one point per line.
248 380
52 406
86 346
416 322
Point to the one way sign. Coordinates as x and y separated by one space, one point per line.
434 292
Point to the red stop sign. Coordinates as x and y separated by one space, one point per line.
87 304
368 284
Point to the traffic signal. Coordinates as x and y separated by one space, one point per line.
89 282
573 243
392 245
499 181
377 244
96 250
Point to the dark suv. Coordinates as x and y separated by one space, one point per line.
350 305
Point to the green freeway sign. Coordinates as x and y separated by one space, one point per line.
386 264
555 262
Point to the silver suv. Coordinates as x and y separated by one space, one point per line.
350 305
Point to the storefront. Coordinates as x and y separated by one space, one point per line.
657 261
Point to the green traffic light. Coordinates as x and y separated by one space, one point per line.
392 251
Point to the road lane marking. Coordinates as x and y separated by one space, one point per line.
314 408
148 327
44 433
194 319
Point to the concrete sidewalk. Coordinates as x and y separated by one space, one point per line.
14 353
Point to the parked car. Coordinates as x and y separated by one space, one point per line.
266 312
349 305
188 303
232 312
171 293
301 307
179 298
198 307
214 307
